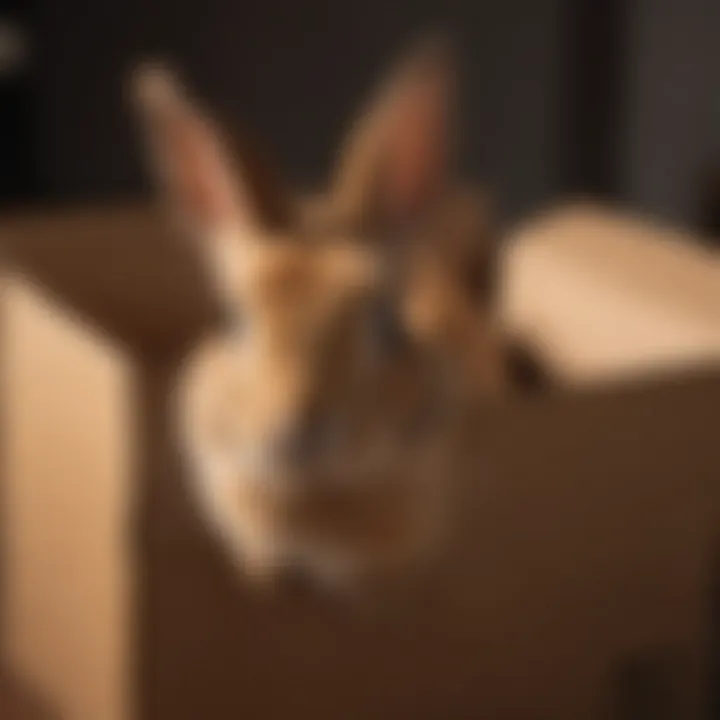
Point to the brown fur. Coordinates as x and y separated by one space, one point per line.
306 281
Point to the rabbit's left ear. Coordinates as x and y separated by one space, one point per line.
396 159
206 182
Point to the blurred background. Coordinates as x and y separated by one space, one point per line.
588 566
616 97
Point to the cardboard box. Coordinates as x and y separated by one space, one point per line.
578 582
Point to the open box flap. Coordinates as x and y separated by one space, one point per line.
120 266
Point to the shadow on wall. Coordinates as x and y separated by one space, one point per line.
17 702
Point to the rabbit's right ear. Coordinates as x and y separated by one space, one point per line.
396 159
193 162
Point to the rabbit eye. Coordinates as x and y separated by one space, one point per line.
233 323
389 333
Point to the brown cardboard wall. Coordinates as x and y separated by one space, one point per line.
67 479
583 546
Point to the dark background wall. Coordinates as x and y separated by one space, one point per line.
616 97
295 71
674 105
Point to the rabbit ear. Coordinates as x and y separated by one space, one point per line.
193 161
396 158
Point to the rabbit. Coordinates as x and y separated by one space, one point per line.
317 426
